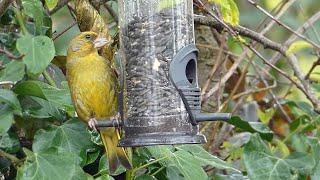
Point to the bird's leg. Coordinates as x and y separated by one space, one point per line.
93 123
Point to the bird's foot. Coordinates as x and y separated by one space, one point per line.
115 117
93 124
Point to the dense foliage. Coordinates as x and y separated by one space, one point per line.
272 135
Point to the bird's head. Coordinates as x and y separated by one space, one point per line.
86 42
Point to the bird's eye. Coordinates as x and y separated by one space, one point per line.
88 37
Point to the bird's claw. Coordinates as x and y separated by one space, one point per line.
93 124
115 117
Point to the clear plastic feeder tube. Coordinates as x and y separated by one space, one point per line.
151 33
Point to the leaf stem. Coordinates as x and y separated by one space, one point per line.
148 164
11 157
20 21
156 172
47 76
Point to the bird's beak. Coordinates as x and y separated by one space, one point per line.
100 42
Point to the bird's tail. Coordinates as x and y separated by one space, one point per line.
116 155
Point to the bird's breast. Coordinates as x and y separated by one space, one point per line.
93 89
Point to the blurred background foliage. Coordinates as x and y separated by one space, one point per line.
271 135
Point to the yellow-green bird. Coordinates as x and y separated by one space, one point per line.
93 85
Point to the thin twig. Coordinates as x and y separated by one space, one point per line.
314 65
303 86
213 70
243 31
65 30
11 157
111 11
283 25
226 52
10 55
310 22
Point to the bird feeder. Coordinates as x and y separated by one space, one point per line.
162 104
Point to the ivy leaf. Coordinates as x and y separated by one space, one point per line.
89 156
205 158
34 9
9 142
71 137
51 4
104 167
229 10
6 119
297 46
184 161
174 173
252 127
38 52
50 166
13 71
262 164
10 99
59 97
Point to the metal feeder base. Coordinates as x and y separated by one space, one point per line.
157 139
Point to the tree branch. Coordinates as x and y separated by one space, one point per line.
303 85
267 43
282 24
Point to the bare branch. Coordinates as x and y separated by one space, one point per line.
267 43
309 23
282 24
302 85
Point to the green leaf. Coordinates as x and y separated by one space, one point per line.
9 142
174 173
184 161
51 4
266 116
34 9
10 99
302 162
262 164
297 46
71 137
6 119
13 71
50 166
59 97
89 156
229 10
38 52
253 127
104 167
42 109
205 158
